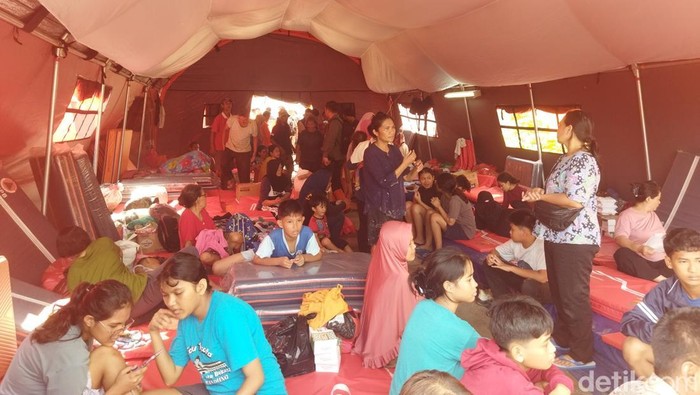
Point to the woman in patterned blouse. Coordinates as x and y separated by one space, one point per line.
573 183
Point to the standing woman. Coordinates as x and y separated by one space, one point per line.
57 359
195 218
639 233
573 183
387 294
383 174
219 333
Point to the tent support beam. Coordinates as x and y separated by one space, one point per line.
121 145
537 131
469 121
58 53
96 154
143 124
637 78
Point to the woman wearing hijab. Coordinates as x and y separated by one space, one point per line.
387 295
275 186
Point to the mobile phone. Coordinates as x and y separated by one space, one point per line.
146 362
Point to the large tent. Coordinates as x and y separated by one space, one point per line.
561 47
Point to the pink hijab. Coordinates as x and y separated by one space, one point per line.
389 300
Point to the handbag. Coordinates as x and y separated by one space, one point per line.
555 217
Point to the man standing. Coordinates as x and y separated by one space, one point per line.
238 147
219 134
332 143
282 136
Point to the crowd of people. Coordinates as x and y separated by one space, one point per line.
409 318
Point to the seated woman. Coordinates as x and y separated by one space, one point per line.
195 217
219 333
512 191
387 294
453 217
275 186
639 233
435 337
57 357
275 152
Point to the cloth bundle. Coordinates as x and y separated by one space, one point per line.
325 303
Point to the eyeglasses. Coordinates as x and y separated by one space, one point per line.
118 329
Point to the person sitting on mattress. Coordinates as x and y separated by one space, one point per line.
58 358
455 223
418 211
676 345
275 187
518 360
195 218
318 202
512 191
639 233
219 333
100 260
682 246
435 336
292 243
518 265
387 294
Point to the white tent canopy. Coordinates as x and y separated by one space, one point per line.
403 44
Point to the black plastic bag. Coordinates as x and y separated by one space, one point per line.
291 345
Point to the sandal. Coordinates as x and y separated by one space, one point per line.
565 362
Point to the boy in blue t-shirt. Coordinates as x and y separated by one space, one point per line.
682 247
292 243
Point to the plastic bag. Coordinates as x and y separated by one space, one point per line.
112 195
129 250
291 345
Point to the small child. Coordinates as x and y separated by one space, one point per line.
518 360
419 210
290 244
260 156
682 247
319 225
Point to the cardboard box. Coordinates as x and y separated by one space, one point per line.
326 348
248 189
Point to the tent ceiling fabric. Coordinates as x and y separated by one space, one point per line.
403 44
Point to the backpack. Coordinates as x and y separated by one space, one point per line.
168 234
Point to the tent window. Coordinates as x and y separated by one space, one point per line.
423 124
211 110
80 119
518 127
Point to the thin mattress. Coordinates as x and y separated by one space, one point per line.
613 293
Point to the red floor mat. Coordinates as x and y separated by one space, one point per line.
614 293
615 339
483 241
604 257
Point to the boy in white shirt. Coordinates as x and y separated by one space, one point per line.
518 265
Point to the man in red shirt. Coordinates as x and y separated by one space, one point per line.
219 134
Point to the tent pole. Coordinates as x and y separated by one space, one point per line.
59 52
537 131
96 155
469 121
121 145
635 71
143 124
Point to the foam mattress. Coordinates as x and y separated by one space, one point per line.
613 293
604 257
483 241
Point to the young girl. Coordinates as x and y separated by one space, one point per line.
275 186
418 211
435 337
453 217
219 333
512 191
387 294
57 357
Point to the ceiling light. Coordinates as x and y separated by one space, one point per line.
461 94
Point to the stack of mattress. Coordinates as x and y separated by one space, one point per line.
27 239
173 183
275 292
74 194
